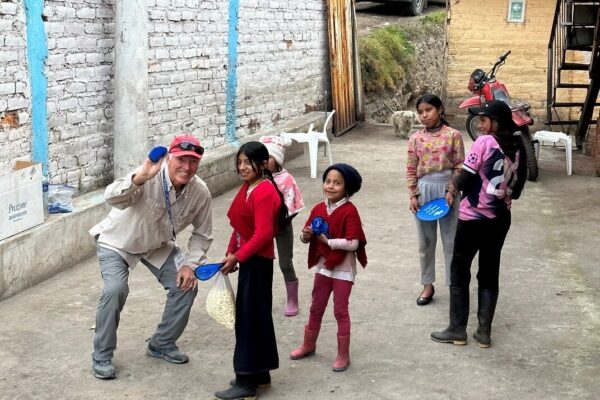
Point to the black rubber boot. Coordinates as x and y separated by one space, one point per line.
237 392
456 333
485 315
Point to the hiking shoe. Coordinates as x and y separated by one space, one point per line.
171 354
103 369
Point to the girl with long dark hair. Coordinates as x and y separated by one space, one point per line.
255 215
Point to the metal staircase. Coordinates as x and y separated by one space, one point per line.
574 66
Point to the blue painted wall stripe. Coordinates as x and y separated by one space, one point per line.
232 56
37 52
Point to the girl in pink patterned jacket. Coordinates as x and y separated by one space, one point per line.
435 156
293 200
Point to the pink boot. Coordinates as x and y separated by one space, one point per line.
342 361
308 346
291 307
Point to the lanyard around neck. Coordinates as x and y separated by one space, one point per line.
168 203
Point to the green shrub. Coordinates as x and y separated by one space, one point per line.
435 18
385 57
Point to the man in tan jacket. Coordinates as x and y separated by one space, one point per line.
150 206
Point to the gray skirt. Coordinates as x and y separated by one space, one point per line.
433 185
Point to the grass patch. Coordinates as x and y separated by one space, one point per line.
435 18
385 57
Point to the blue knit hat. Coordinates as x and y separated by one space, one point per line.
352 179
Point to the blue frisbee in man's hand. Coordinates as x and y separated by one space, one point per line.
207 271
157 153
433 210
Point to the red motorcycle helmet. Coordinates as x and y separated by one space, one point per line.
476 80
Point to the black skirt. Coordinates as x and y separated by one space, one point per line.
255 344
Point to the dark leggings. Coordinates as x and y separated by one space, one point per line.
483 235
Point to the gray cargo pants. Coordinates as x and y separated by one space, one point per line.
115 273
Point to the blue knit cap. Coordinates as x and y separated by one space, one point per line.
352 179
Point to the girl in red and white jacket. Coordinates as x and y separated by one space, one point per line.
333 254
256 214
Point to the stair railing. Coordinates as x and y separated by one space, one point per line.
555 53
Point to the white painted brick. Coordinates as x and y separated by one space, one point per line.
75 29
67 103
162 54
88 43
168 66
103 43
55 59
76 87
157 14
14 41
172 41
20 87
157 41
76 117
8 8
66 43
7 56
104 12
174 16
89 101
7 88
17 102
86 13
94 58
62 13
77 58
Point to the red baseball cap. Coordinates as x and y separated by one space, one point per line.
186 145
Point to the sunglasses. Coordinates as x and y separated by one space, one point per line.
187 146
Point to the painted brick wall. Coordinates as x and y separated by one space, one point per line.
15 117
80 93
478 33
282 72
282 65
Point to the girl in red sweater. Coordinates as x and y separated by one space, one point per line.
333 255
255 214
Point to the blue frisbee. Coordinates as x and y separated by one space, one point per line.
207 271
433 210
319 226
157 153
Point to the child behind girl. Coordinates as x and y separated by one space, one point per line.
435 156
255 214
334 257
294 203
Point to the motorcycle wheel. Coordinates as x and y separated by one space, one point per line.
532 165
473 126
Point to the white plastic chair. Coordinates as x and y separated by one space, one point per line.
311 140
556 137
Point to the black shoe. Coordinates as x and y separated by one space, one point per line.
423 301
237 392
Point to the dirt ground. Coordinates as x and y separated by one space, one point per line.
546 333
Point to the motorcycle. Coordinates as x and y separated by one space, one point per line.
485 87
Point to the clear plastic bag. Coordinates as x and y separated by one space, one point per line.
220 301
60 198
